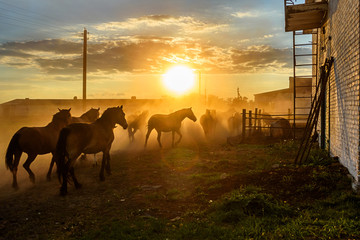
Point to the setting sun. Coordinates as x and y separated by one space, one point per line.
179 79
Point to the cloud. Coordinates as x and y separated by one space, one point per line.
249 14
149 45
151 54
58 46
14 53
262 59
156 23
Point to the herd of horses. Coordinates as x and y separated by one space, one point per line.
67 137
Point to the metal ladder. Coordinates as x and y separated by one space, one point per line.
312 120
305 55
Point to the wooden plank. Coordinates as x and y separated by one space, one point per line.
322 6
305 16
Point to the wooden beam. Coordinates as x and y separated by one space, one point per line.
321 6
305 16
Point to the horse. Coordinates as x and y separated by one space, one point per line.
136 122
268 119
88 138
169 123
280 128
235 123
208 122
35 141
89 116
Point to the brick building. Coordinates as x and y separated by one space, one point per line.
336 24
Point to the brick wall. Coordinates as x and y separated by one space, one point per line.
341 40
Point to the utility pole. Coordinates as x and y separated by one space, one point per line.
84 68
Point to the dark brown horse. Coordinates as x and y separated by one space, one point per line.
280 128
89 138
169 123
35 141
208 122
135 123
88 117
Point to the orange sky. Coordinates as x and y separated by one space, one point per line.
233 44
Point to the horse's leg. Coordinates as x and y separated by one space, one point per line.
107 166
95 161
69 168
76 183
147 135
133 134
63 188
180 137
26 165
15 168
102 177
130 134
48 176
173 138
158 138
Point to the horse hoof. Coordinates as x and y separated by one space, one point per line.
102 178
15 186
32 179
78 186
48 178
63 192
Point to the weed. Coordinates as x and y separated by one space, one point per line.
173 194
248 202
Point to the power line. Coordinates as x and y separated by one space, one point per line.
22 10
34 17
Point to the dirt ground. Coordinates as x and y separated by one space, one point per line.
152 183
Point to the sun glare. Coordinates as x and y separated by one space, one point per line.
179 79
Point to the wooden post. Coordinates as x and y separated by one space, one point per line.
243 124
259 119
255 119
289 114
84 68
250 122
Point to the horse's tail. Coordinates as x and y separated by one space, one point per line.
61 153
13 146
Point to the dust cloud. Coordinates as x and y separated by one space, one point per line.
193 133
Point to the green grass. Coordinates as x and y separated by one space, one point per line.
250 212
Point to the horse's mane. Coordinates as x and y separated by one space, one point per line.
59 116
107 114
178 111
84 114
88 112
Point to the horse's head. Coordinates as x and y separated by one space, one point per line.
191 115
144 113
63 116
93 114
118 116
